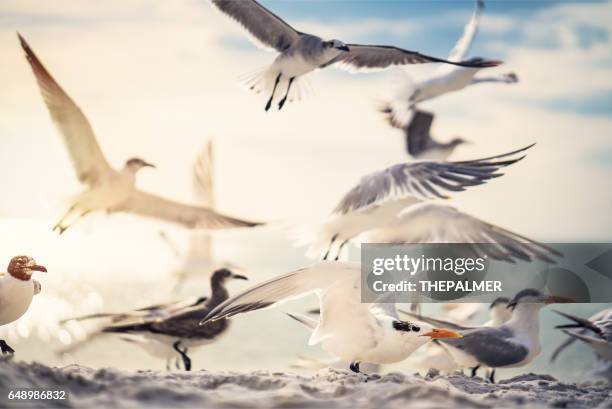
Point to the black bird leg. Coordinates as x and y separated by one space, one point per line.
183 353
5 348
269 104
282 101
492 376
354 366
331 243
340 250
474 370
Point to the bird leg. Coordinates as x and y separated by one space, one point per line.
340 250
474 370
282 101
65 223
492 376
183 353
331 243
269 104
5 348
354 366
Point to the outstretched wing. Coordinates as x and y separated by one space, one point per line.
423 180
376 57
261 23
89 163
193 217
418 137
462 48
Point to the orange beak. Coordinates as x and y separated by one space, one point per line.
555 299
439 333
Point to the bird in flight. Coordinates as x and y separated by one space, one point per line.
111 190
16 292
448 78
301 53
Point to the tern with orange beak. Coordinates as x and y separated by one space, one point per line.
348 329
512 344
17 288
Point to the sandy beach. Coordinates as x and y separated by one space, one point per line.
110 387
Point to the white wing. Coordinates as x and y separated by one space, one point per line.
200 243
462 48
423 180
87 158
436 223
261 23
146 204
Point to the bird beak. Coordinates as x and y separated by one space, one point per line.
344 48
555 299
239 277
439 333
36 267
148 165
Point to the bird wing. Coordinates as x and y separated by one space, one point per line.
462 47
493 346
376 57
148 205
267 28
418 137
200 243
423 180
437 223
87 158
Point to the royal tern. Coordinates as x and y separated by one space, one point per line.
17 288
512 344
348 329
419 142
595 331
110 190
447 78
301 53
181 331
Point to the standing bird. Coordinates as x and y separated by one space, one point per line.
348 329
181 330
110 190
419 142
393 203
512 344
301 53
447 78
16 291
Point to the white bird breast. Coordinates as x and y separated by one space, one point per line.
15 298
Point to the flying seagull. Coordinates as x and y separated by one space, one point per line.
447 78
512 344
419 142
349 329
181 330
596 332
377 200
301 53
16 292
110 190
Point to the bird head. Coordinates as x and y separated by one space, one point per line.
22 267
135 164
335 44
533 296
223 274
423 332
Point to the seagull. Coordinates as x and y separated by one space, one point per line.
301 53
420 144
348 329
110 190
596 332
447 78
379 197
512 344
17 288
436 356
181 331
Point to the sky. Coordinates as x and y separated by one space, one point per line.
157 78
